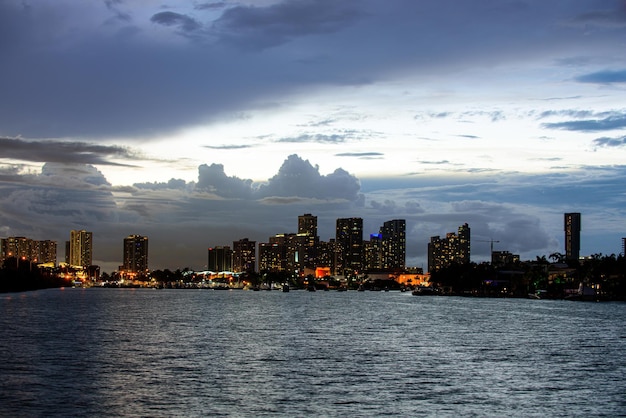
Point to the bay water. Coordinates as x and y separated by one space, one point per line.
178 353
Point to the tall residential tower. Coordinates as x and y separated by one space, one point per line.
80 248
572 236
136 254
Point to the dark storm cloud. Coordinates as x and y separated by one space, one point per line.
603 77
604 16
172 184
181 21
298 177
212 178
119 14
523 212
265 27
386 206
73 69
609 123
63 152
61 196
210 6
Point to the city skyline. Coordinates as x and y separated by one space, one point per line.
202 122
347 252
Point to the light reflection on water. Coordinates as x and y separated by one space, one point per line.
134 352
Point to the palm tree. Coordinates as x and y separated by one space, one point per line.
557 257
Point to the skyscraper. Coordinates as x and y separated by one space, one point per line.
393 235
308 240
271 257
373 253
349 237
80 248
453 249
307 224
244 255
220 259
572 235
135 254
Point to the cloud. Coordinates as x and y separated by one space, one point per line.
317 138
610 142
227 147
603 17
114 69
360 154
172 184
568 113
212 178
297 177
441 162
211 6
64 152
523 212
266 27
603 77
181 21
591 125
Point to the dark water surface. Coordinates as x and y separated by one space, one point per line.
158 353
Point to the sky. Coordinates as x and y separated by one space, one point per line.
200 123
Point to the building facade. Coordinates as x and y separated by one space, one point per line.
572 226
453 249
349 237
393 237
80 248
220 259
308 241
135 254
39 252
244 255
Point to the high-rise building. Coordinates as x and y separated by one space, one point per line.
271 257
80 248
38 252
47 251
307 224
308 240
623 247
349 237
373 252
327 254
16 247
244 255
220 259
135 254
464 247
291 246
453 249
393 236
572 235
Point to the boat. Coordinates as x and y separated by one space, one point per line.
423 291
285 287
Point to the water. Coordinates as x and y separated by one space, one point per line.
157 353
